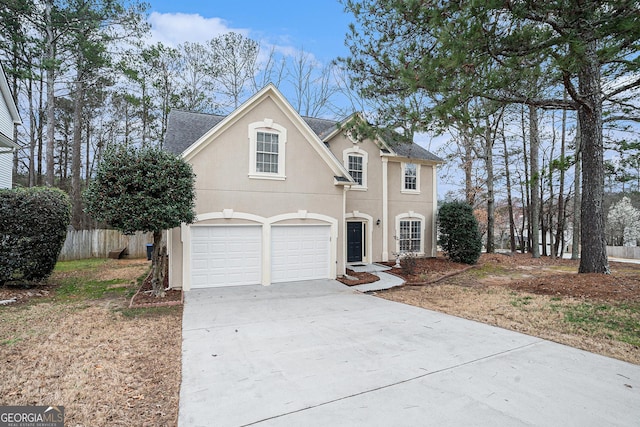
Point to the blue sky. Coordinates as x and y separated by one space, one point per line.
316 26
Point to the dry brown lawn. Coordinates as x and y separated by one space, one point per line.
540 297
74 341
108 365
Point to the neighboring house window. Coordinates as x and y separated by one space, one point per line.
267 152
267 144
355 168
410 235
410 178
355 160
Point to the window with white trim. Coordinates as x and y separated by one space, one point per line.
267 152
267 143
356 168
410 178
355 161
410 235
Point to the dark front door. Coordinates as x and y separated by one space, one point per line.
354 241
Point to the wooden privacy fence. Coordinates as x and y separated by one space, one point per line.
82 244
632 252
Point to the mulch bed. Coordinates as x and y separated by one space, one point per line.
428 270
609 287
144 298
363 278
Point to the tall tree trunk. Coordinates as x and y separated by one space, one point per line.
51 100
512 231
467 141
32 135
559 243
534 145
527 185
158 264
594 247
76 152
490 194
577 199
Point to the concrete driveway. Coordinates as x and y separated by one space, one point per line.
317 353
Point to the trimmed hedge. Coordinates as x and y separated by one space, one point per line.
459 234
33 227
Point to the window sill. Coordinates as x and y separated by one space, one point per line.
358 188
271 177
410 191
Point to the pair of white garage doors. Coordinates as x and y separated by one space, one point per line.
232 255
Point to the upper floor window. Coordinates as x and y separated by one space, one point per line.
267 144
355 168
410 178
355 160
267 152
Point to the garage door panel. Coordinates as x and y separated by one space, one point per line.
225 256
300 253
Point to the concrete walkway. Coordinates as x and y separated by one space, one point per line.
387 281
320 354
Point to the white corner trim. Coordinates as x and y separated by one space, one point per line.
385 209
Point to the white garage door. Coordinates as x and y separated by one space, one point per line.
300 253
225 256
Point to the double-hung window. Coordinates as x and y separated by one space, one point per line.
410 176
410 232
356 168
267 152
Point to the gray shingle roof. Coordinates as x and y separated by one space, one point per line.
184 128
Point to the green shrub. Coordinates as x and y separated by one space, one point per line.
33 227
459 235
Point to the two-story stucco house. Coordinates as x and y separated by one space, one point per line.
282 197
8 117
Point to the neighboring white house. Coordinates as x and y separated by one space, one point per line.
8 117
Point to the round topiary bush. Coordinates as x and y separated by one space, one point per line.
33 227
460 238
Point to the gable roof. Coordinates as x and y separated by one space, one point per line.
401 147
187 132
184 128
392 142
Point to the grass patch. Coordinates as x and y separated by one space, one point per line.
148 312
485 270
620 322
10 341
93 279
76 288
521 301
81 265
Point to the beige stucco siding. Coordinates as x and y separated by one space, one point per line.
402 203
222 168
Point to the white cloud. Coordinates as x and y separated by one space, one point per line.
175 28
